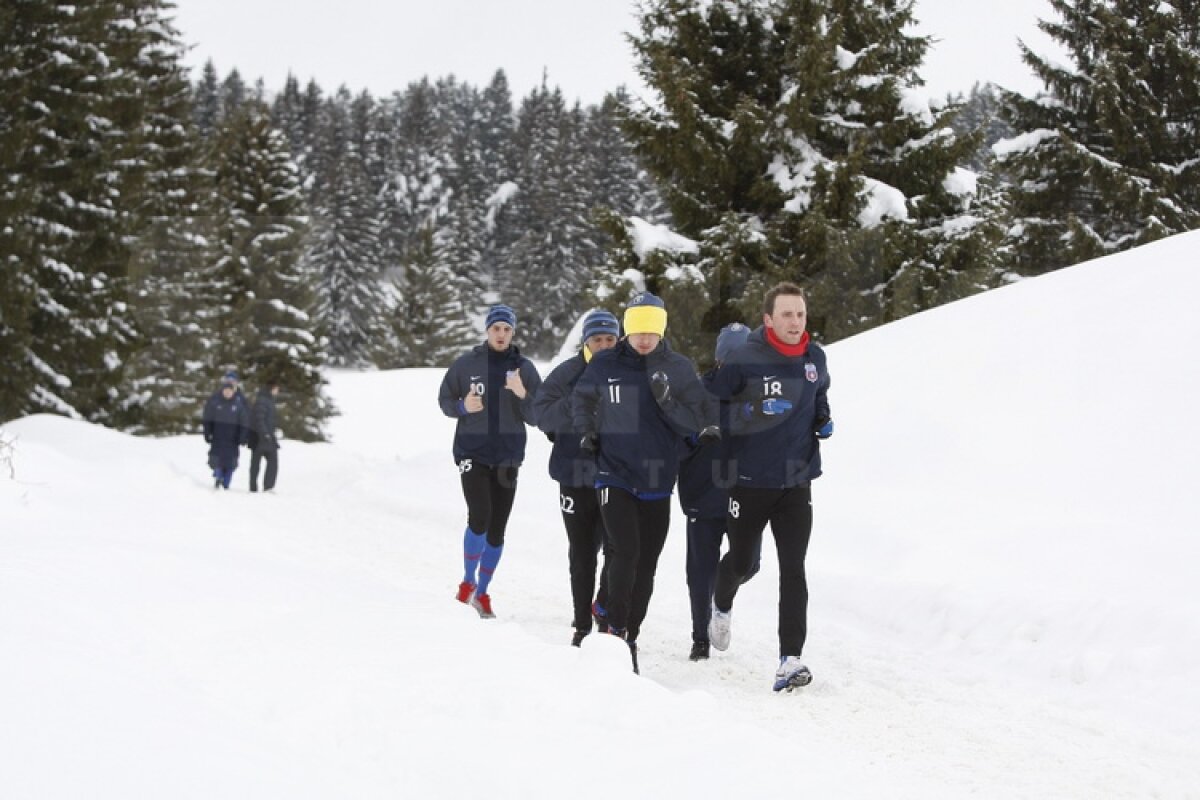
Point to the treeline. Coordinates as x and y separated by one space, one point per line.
157 228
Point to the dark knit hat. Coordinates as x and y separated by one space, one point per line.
600 322
731 337
501 313
646 313
230 378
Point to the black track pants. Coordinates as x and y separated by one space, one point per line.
789 511
272 459
585 539
636 531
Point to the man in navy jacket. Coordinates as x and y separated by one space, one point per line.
575 472
776 385
490 391
631 406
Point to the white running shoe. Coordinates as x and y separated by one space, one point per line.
719 628
791 674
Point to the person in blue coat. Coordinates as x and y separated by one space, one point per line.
776 385
489 391
575 472
706 473
631 407
226 423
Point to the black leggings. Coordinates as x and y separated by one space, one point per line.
790 513
585 539
636 531
489 492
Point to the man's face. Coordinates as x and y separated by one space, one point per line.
227 391
644 343
600 341
499 336
789 319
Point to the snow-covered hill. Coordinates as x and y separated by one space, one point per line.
1003 601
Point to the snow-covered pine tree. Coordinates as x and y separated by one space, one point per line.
428 321
207 108
1105 159
497 123
267 324
84 98
22 28
790 143
165 383
416 193
551 265
345 250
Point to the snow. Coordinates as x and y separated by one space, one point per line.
1004 600
1022 143
883 202
648 237
962 183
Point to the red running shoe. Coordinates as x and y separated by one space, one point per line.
483 604
465 590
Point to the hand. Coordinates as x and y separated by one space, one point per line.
824 429
766 407
709 435
514 383
207 437
472 403
589 444
660 386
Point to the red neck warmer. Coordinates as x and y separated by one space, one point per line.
791 350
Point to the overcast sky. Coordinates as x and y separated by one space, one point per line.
579 44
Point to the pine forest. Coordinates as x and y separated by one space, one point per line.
158 227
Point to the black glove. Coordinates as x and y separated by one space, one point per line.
709 435
823 428
589 444
207 437
660 386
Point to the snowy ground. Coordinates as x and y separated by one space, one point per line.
1003 593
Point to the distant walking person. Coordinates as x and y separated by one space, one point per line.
226 425
575 472
264 446
706 474
490 391
631 406
777 385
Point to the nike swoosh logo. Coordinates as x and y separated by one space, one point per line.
613 380
768 377
476 377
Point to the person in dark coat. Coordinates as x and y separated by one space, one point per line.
776 385
706 473
226 426
576 475
631 406
264 445
490 392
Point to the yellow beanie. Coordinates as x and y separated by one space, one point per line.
646 313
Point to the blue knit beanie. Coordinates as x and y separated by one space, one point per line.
500 313
600 322
731 337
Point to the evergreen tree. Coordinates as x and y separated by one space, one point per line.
346 250
428 321
208 110
164 383
1106 159
790 144
267 322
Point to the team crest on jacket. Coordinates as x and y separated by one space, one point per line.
810 372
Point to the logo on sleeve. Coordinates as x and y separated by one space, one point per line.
810 372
